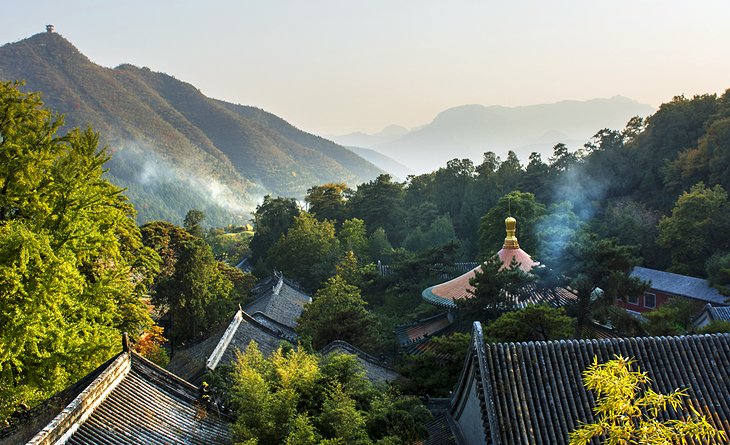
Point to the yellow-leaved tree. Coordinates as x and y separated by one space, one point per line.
628 411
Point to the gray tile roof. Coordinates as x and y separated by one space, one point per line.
220 348
280 299
376 370
680 285
133 401
441 428
533 393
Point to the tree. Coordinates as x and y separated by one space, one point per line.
353 237
533 323
522 206
627 413
672 318
435 371
329 201
308 252
197 293
696 229
72 263
496 289
298 398
192 222
380 204
718 272
598 271
167 240
272 219
337 312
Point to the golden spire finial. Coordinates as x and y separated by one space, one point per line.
510 242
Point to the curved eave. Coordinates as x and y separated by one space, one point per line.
434 299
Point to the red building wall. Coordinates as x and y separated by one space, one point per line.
640 305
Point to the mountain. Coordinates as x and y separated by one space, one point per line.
470 130
391 166
360 139
172 147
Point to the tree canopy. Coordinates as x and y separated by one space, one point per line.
297 398
72 263
628 411
337 312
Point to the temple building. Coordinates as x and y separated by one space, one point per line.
414 338
665 286
445 294
269 319
127 400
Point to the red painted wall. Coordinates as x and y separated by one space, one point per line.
661 298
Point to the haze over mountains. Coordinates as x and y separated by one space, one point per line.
174 148
470 130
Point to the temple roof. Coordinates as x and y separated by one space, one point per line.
130 401
220 348
269 320
680 285
444 294
279 299
533 393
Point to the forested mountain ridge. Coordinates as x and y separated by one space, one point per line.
174 148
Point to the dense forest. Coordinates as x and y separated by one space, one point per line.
659 184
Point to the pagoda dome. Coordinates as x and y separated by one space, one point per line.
445 294
511 249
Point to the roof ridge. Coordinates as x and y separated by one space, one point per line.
70 418
261 326
225 340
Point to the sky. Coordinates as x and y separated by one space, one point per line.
333 67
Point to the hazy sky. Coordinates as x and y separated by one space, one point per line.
336 66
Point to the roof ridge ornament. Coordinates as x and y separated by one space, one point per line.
510 241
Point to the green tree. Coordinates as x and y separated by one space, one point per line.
672 318
328 201
598 271
167 240
436 370
524 208
627 411
380 204
297 398
72 263
353 237
696 229
197 294
272 219
496 289
718 272
380 247
308 252
193 221
533 323
337 312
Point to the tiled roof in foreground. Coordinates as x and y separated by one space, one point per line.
533 393
133 401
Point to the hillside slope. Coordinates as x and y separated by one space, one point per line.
173 147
